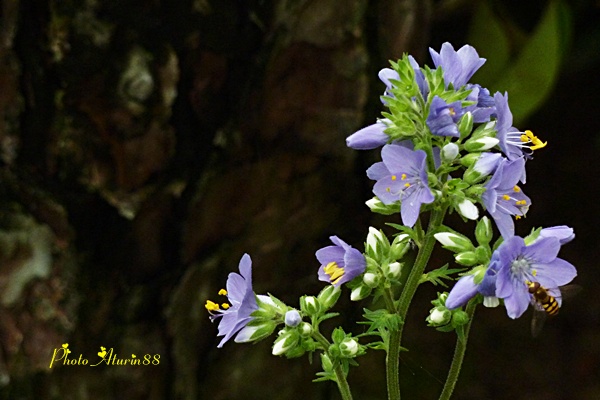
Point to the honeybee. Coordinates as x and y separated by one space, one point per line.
547 304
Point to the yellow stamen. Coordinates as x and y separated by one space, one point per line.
452 112
528 136
534 272
223 292
521 202
517 217
407 184
506 197
334 271
225 306
403 176
210 306
387 189
517 189
394 177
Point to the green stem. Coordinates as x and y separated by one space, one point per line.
459 355
410 287
342 383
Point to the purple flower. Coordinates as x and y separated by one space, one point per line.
521 265
482 280
458 66
563 233
370 137
402 176
512 141
236 315
503 198
484 105
340 263
442 117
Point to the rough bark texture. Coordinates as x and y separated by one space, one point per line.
145 146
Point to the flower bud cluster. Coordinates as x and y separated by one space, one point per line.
443 319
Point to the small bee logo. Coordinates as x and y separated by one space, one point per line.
547 302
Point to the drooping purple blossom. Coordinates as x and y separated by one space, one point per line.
481 281
521 265
563 233
458 66
503 198
402 175
242 302
443 117
484 105
340 263
370 137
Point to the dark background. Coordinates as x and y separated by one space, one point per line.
146 145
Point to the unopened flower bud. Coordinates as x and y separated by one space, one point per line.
468 258
255 331
449 152
400 246
484 231
305 329
349 348
465 125
360 292
285 342
481 144
459 317
329 296
310 305
377 243
467 209
393 270
370 279
491 301
292 318
439 317
454 241
378 207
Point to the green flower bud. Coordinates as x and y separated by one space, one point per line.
481 144
378 244
305 329
329 296
287 340
326 363
469 159
454 241
468 258
360 292
483 254
371 280
310 306
465 125
400 246
439 316
255 331
393 270
459 317
378 207
349 348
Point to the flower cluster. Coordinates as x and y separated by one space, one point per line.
446 145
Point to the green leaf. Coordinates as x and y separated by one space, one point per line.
437 275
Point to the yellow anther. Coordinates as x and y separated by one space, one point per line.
407 184
387 189
225 306
452 112
334 271
403 176
516 189
506 197
222 292
520 202
210 306
394 177
517 217
534 272
529 137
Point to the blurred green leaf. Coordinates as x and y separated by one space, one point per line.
529 79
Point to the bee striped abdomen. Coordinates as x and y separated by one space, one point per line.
543 298
551 306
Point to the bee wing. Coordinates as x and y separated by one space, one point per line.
538 320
